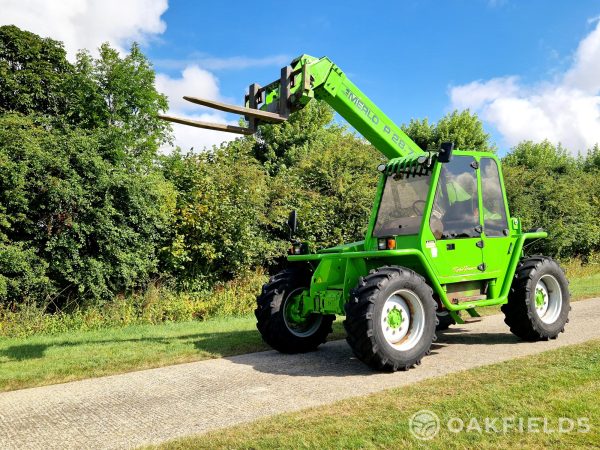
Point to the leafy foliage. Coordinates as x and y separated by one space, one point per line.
551 189
32 73
83 208
332 188
285 145
93 225
118 95
463 128
89 211
222 206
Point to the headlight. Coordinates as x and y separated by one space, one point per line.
386 243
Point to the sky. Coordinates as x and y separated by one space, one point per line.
529 68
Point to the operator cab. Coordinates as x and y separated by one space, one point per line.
455 211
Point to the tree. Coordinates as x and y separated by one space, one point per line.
284 145
547 188
85 211
332 188
86 226
463 128
221 227
118 95
110 92
32 73
320 169
541 156
591 161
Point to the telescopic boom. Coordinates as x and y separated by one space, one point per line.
304 79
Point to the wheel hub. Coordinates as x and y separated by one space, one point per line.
541 297
394 318
548 299
402 320
293 309
298 324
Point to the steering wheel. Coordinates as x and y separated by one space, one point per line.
415 208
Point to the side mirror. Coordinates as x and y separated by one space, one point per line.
445 152
292 222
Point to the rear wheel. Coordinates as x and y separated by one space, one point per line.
278 318
390 319
444 320
538 304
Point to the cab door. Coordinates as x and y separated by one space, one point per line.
454 221
496 237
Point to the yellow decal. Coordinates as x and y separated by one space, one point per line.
464 269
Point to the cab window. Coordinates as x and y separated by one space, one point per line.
494 211
455 212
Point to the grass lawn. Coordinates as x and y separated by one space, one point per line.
586 286
41 360
563 383
48 359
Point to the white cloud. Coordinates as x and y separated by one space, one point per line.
593 19
196 82
586 67
229 63
477 94
565 110
87 23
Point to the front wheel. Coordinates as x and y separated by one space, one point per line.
538 303
390 319
277 314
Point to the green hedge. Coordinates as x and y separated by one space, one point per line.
91 213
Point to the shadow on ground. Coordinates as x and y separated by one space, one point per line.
217 344
335 359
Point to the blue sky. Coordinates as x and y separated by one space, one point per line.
404 55
527 67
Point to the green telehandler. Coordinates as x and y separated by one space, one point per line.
440 240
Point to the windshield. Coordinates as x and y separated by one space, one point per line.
402 205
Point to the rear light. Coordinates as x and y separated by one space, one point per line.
386 244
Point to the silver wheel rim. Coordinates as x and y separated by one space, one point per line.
548 290
412 326
301 330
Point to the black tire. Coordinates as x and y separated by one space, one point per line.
521 312
445 320
271 322
364 316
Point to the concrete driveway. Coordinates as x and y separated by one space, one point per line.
156 405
